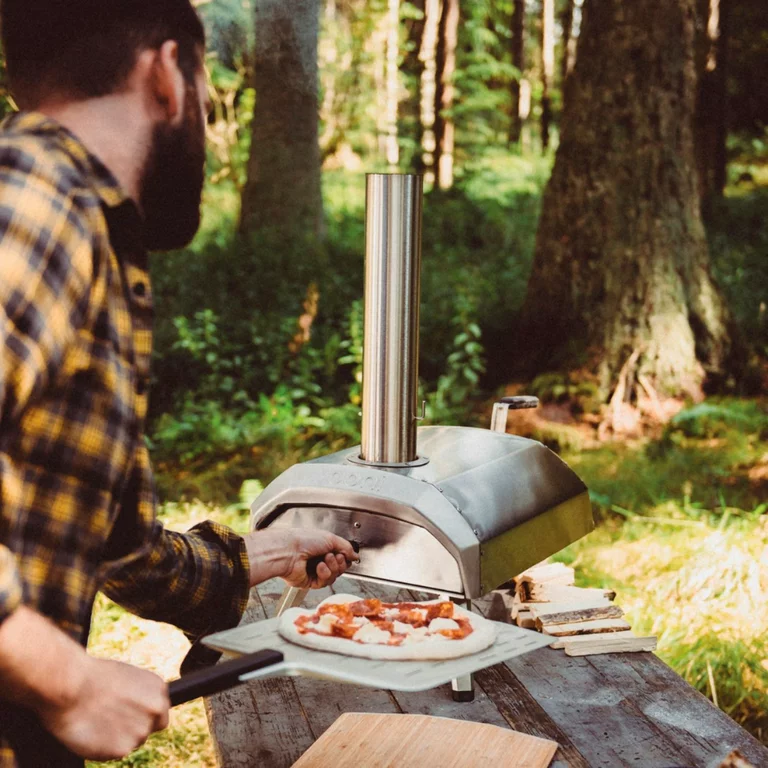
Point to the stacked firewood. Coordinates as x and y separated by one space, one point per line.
584 621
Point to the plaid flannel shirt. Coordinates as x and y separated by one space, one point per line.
77 505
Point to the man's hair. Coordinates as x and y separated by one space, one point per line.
88 48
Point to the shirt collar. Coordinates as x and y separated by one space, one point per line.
99 177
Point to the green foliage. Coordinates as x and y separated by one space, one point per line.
226 379
229 29
250 490
717 418
738 240
459 385
581 394
704 457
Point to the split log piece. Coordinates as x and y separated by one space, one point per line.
586 627
574 640
549 573
550 593
610 611
608 643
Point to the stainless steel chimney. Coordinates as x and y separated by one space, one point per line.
391 344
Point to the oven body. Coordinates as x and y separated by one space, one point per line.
482 509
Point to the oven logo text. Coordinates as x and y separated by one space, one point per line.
366 482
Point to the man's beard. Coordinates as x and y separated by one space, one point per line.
172 182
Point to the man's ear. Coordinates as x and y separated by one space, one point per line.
167 81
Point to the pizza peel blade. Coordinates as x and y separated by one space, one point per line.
298 661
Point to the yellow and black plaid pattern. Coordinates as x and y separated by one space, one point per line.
77 505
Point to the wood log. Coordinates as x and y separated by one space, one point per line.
586 627
609 643
525 620
532 592
540 610
548 573
735 759
610 611
559 644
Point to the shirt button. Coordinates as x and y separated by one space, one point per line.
140 289
141 386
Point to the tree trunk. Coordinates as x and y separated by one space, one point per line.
447 38
711 107
393 81
412 68
282 192
429 84
547 66
518 62
621 263
569 41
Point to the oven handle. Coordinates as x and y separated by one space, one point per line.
313 562
219 677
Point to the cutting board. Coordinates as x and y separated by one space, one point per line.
416 741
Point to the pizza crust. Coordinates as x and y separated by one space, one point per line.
483 635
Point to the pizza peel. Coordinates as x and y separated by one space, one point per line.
264 653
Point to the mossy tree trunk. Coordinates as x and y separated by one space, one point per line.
282 192
621 263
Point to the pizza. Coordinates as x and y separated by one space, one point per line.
350 625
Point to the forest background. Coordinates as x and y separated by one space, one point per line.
594 234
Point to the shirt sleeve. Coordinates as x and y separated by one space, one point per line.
198 580
10 584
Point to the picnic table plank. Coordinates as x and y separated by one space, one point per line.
688 718
613 709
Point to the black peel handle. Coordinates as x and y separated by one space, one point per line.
313 562
219 677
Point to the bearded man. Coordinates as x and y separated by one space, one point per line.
103 163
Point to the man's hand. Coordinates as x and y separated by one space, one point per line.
285 553
116 708
97 709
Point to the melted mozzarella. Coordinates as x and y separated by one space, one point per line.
417 635
402 629
437 624
370 633
324 624
360 620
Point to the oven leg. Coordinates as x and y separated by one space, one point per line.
291 597
463 688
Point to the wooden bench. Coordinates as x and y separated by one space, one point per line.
604 711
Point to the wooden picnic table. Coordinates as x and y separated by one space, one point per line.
604 711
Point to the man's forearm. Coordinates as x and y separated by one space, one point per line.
39 665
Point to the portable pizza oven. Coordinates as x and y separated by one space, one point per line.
452 510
